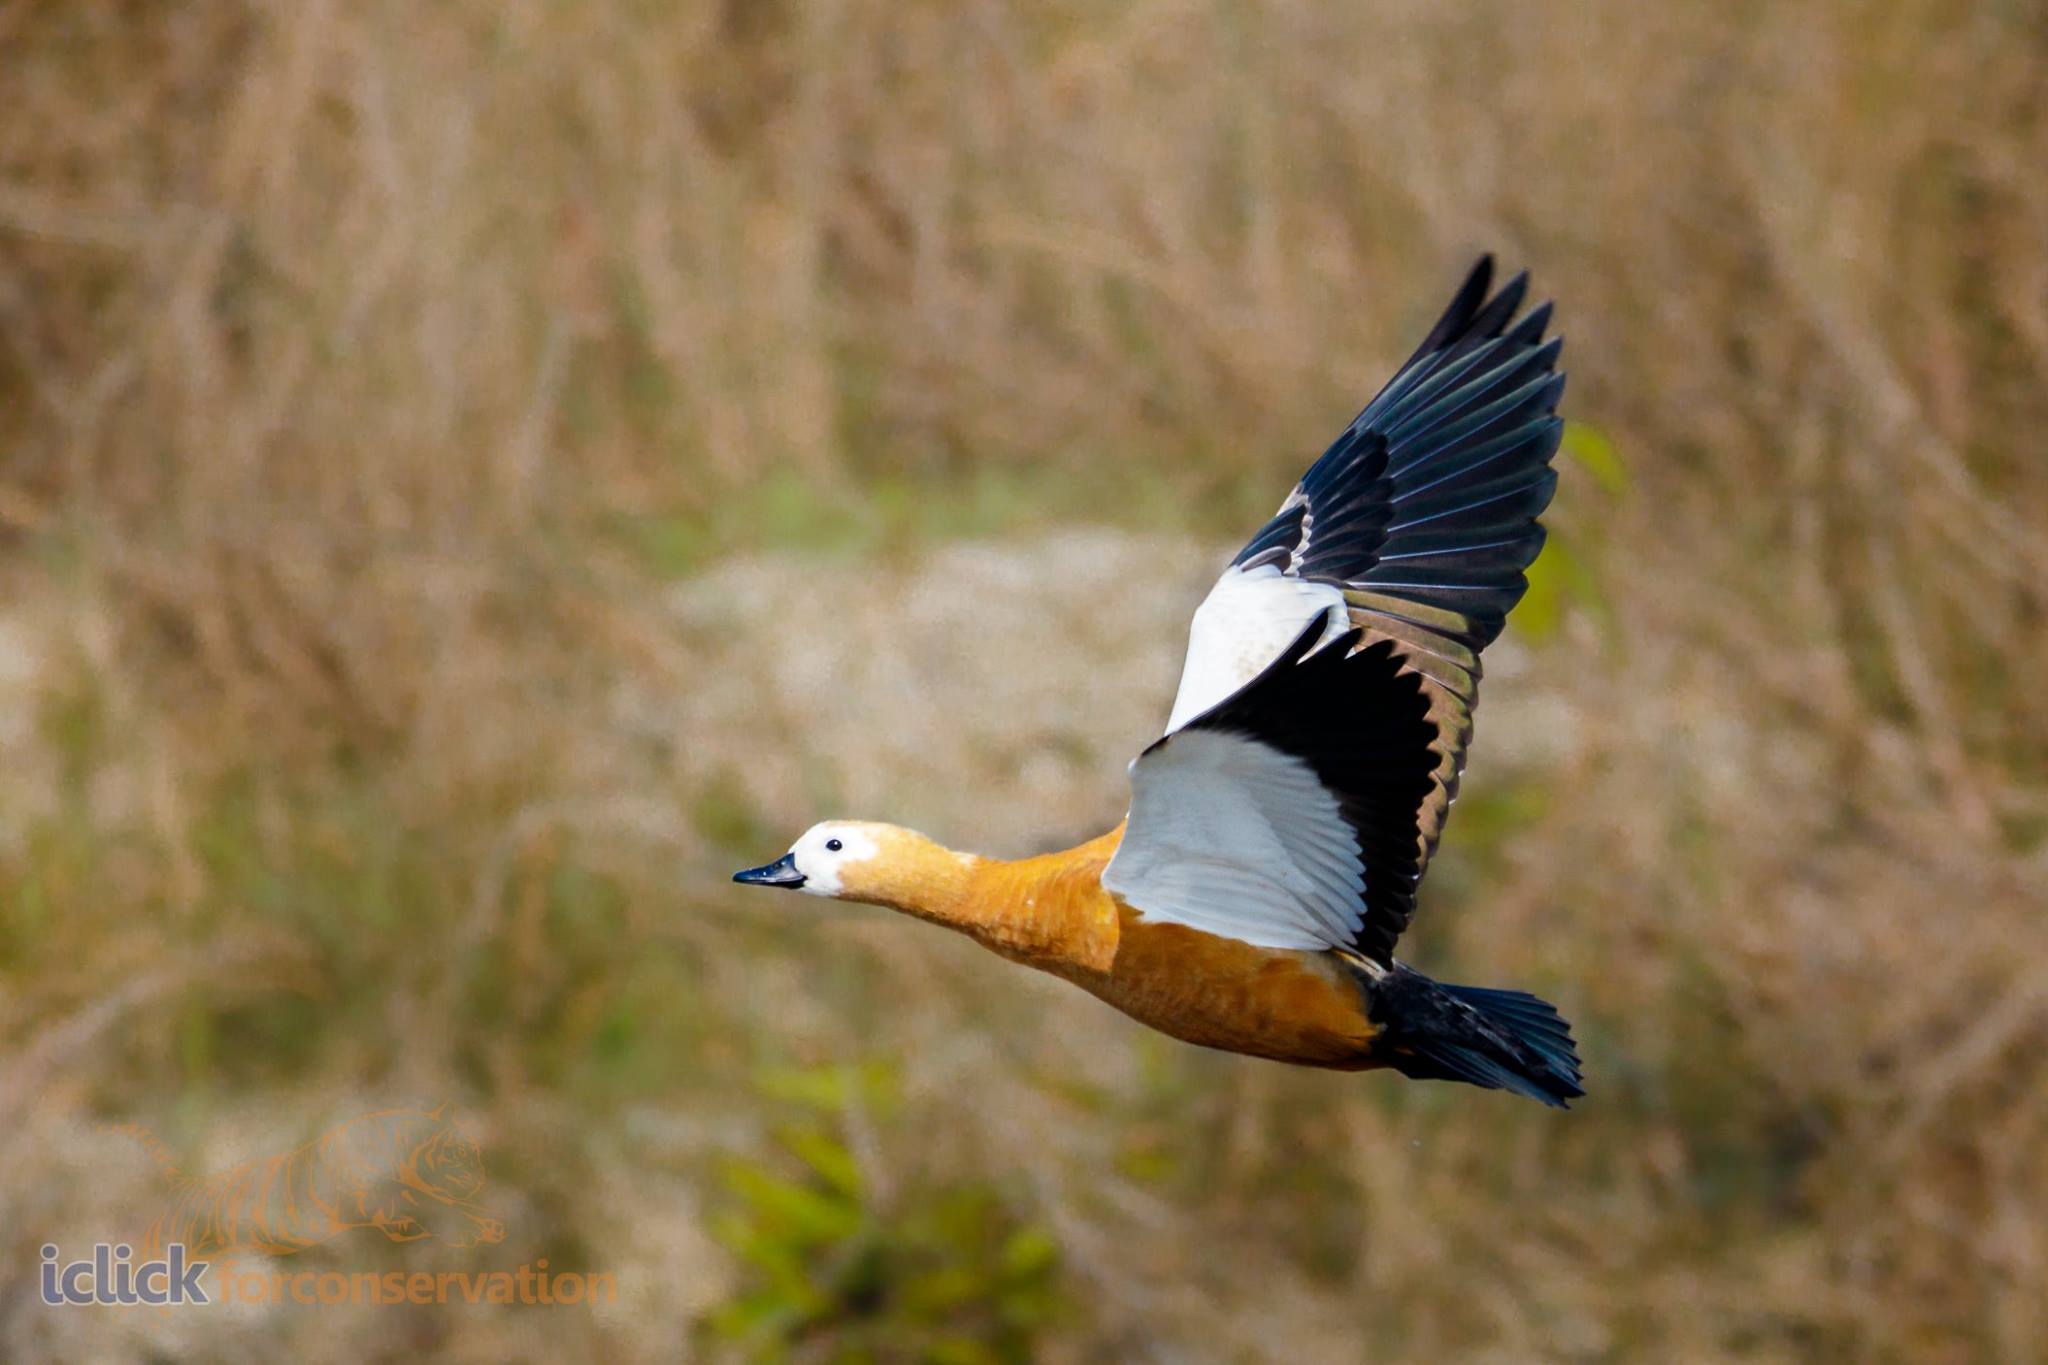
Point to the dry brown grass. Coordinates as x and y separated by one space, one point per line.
471 473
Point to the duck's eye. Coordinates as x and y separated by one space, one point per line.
833 845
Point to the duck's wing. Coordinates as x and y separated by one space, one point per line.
1285 816
1416 523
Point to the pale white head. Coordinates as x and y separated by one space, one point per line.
819 861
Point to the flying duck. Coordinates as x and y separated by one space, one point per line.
1278 829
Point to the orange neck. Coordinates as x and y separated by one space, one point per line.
1048 911
917 876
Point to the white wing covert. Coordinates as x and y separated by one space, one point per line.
1285 815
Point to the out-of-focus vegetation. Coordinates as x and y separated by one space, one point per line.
939 1275
473 474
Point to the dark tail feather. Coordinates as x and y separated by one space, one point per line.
1498 1040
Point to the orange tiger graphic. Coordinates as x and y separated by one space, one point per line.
408 1173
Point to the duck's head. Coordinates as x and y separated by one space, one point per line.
859 860
822 861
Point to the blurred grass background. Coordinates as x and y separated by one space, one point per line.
471 475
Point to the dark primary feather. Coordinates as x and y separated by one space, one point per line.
1361 723
1424 510
1450 460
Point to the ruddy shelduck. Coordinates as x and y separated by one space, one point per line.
1278 830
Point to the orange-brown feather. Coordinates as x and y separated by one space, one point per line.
1051 912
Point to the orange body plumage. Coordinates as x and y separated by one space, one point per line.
1053 913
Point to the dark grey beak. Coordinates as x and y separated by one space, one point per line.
781 872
